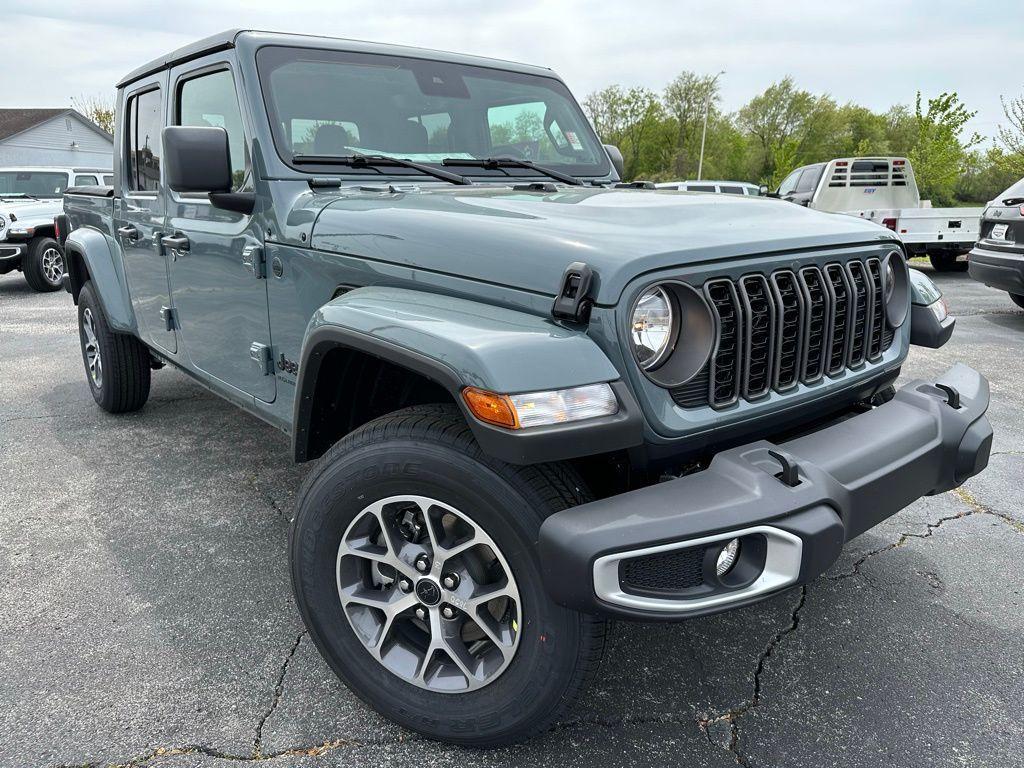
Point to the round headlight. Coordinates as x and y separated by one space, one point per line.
652 327
890 280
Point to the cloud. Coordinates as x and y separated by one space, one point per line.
870 52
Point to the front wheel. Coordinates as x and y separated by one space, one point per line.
1017 299
415 568
43 265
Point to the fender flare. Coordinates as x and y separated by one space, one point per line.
106 273
458 343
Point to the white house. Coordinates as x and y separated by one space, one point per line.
62 137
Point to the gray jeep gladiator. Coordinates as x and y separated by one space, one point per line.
536 399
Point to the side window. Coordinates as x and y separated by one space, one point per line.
210 100
729 190
143 141
789 183
809 180
701 188
108 181
518 130
86 181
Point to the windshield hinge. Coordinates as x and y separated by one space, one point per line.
572 302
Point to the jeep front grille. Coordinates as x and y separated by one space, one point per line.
789 327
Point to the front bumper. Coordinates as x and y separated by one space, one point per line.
11 255
849 477
998 269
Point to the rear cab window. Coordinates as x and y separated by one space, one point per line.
86 180
142 139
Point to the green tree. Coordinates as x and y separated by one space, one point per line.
628 119
685 99
939 155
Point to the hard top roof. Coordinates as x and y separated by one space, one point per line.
229 38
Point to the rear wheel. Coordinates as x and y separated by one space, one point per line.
43 265
947 262
116 364
1018 299
415 568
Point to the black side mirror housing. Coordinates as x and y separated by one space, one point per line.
617 161
198 159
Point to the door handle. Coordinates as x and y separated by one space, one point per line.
176 242
128 233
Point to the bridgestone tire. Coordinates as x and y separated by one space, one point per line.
430 451
123 385
40 259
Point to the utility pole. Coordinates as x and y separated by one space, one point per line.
704 132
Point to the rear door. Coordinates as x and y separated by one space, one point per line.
139 211
219 298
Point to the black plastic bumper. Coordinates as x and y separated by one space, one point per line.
1004 271
851 475
11 255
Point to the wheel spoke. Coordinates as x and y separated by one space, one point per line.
457 652
484 623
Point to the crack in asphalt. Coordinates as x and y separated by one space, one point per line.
257 743
974 508
735 714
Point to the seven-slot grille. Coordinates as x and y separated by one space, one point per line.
776 331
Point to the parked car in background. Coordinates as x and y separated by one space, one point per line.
883 189
997 259
511 445
718 187
30 198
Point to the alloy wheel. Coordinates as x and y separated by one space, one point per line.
429 594
92 348
53 266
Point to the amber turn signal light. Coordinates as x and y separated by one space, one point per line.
491 408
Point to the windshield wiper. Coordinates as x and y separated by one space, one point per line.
498 163
377 161
18 196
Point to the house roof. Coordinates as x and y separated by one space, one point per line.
15 121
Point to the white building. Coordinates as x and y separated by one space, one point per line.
62 137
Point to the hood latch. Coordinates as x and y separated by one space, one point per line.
572 302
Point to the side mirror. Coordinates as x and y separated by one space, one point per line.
616 157
773 195
931 325
197 158
763 190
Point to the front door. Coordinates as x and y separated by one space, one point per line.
139 213
219 290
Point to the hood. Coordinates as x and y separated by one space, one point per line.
25 209
526 239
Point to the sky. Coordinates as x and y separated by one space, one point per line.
872 53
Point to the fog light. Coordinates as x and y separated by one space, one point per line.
727 557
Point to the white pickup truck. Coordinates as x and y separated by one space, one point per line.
883 190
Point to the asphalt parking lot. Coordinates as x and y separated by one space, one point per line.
146 617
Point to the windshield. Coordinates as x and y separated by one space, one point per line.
33 183
341 103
